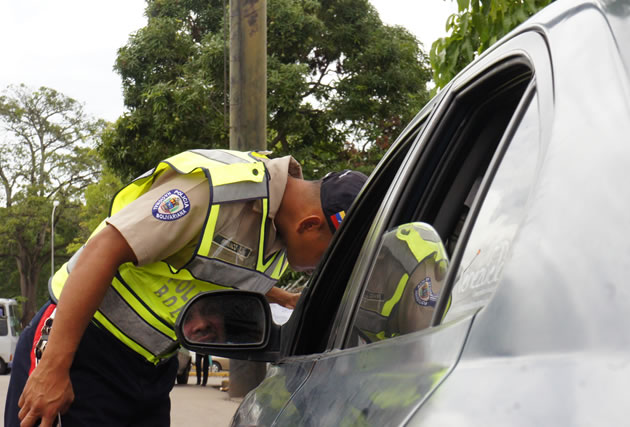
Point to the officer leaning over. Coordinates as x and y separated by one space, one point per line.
201 220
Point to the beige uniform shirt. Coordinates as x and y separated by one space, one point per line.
237 232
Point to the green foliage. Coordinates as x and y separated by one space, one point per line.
9 285
341 84
477 25
45 154
98 198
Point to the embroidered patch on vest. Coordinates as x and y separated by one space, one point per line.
374 296
229 244
171 206
423 293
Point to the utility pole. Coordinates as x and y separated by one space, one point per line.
248 75
248 123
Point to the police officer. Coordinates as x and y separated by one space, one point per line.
405 284
199 221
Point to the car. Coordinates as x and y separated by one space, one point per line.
501 213
184 364
9 332
220 364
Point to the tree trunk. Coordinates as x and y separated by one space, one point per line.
29 270
29 290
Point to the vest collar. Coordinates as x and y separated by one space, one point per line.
279 169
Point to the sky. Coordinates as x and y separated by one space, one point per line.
71 45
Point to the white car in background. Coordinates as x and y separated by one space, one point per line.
9 332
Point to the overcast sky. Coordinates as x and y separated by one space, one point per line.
70 45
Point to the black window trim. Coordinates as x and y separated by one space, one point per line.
344 312
501 149
293 337
371 243
388 214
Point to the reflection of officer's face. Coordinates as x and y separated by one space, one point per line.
204 328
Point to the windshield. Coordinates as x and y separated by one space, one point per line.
16 327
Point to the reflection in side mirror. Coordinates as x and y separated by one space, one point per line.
405 284
224 318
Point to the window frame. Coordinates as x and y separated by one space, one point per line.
313 313
314 322
536 58
433 166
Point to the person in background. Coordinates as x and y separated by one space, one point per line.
202 365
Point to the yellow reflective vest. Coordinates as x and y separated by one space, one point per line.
142 303
405 285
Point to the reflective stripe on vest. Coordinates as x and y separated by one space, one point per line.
413 246
226 274
119 315
232 176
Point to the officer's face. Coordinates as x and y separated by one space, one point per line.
305 250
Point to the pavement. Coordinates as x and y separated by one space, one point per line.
191 405
197 406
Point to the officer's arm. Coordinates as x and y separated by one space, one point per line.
48 390
282 297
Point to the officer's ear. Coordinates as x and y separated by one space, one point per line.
309 224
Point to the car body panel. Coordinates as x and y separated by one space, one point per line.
552 347
274 395
578 389
220 364
376 384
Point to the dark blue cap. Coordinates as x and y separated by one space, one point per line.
338 191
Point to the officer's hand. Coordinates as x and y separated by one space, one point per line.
46 393
282 297
291 300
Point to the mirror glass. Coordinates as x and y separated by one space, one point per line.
404 286
228 319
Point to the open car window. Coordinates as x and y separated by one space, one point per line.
312 322
400 294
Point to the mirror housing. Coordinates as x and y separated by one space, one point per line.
231 323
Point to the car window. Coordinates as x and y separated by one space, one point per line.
443 176
499 216
15 321
312 321
4 322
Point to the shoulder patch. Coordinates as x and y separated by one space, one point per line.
423 293
171 206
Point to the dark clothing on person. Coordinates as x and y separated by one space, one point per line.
202 363
113 386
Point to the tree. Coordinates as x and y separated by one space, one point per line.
476 26
45 154
341 84
98 198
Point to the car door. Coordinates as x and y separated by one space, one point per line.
438 173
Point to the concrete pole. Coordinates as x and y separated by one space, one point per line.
248 75
248 123
52 239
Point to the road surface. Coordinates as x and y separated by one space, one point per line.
191 405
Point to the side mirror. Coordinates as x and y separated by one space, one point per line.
225 320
